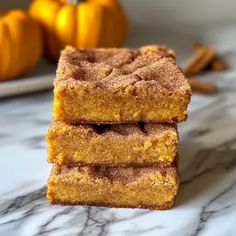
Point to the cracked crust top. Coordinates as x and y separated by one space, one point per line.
119 68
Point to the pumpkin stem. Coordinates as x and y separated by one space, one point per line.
74 2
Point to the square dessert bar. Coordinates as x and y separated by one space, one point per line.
150 187
120 86
142 144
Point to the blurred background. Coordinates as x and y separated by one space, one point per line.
177 24
155 16
166 12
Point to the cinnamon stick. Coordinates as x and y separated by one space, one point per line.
199 61
202 87
217 64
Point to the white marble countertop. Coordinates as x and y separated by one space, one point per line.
206 203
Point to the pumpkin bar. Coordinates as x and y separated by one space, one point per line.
142 144
153 188
120 86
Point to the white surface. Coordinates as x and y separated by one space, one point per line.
26 85
39 79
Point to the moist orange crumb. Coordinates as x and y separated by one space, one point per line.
114 145
153 188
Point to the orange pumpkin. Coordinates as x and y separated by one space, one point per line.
20 44
84 24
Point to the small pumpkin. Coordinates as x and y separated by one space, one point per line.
20 43
84 24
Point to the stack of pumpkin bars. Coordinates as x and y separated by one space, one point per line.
113 140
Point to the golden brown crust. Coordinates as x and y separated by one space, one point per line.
113 145
124 59
153 188
75 121
120 86
124 175
116 69
138 130
165 206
